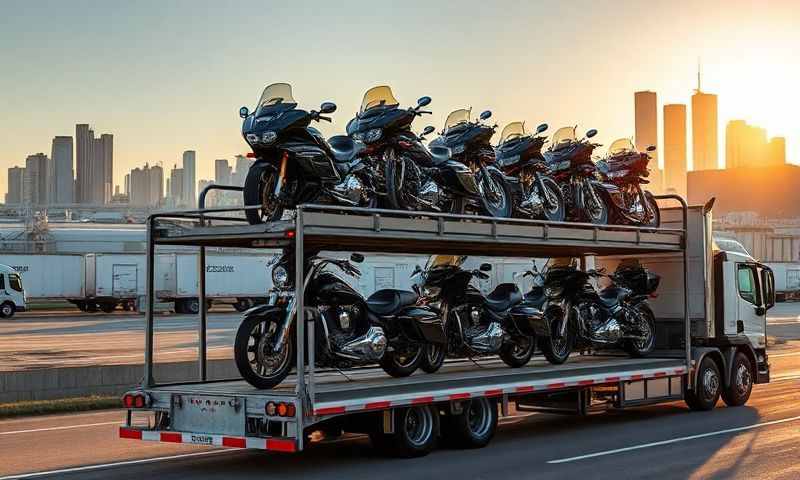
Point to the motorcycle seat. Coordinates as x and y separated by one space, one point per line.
387 301
344 148
503 297
439 155
613 295
535 297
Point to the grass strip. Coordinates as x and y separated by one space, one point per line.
44 407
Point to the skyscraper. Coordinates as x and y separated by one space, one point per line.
63 173
242 167
106 165
745 145
176 187
84 141
222 172
15 194
704 129
37 179
189 190
777 151
675 164
95 166
646 115
147 186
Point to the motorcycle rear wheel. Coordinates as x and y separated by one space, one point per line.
258 188
402 363
518 352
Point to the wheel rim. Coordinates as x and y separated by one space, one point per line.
479 417
743 380
647 337
433 354
418 425
6 310
594 206
521 347
407 356
263 361
268 207
552 199
559 345
493 193
710 384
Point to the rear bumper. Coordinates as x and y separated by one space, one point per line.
286 445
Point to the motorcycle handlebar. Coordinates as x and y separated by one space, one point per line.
327 119
420 112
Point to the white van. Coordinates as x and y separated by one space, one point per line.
12 294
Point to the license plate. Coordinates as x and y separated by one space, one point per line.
210 414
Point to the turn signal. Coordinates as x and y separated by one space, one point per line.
281 409
135 400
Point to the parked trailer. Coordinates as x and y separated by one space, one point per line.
711 335
48 277
112 279
787 280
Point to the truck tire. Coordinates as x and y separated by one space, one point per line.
91 307
708 388
192 306
108 307
741 384
7 310
179 306
416 431
474 427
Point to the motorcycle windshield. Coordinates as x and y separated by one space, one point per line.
563 136
378 97
445 261
622 145
457 117
276 94
512 131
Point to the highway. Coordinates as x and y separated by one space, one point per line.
760 440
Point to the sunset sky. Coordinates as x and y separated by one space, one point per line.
167 78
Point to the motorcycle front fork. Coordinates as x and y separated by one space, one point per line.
281 176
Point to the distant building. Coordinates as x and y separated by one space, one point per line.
175 195
646 115
95 166
63 173
769 191
189 190
675 164
222 172
146 186
15 193
84 139
704 129
37 179
242 167
745 145
776 151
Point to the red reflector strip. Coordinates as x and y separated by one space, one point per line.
421 400
130 433
171 437
377 405
612 379
586 382
637 377
556 385
233 442
281 445
459 396
678 370
493 393
329 411
525 389
661 374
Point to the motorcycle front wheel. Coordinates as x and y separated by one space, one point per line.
258 187
556 212
647 327
402 181
654 216
258 363
496 194
556 348
595 208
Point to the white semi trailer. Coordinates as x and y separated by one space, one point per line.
787 280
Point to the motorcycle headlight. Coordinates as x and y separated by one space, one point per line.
553 292
268 137
358 136
280 277
373 135
252 138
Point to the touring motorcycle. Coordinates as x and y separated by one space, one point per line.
519 154
474 325
294 163
387 327
468 142
624 171
577 315
571 166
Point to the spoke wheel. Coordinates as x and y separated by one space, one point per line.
402 361
433 358
518 351
258 362
258 190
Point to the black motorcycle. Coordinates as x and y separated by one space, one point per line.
571 166
624 171
474 325
294 163
468 142
577 316
386 328
519 155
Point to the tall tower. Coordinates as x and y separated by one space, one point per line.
63 172
37 179
189 179
84 141
16 186
704 128
106 159
675 148
646 133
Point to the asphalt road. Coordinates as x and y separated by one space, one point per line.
760 440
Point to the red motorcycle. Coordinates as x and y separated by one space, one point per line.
623 172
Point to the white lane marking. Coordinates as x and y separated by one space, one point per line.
64 427
673 440
114 464
773 355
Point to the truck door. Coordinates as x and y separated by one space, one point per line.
751 311
125 280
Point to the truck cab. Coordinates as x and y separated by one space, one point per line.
12 294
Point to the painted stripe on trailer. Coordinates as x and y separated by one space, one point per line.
275 444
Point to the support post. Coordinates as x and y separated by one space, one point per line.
300 323
203 333
149 304
687 319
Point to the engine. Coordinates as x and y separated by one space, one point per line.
350 189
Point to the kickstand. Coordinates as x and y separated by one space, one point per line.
344 375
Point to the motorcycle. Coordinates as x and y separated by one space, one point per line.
474 324
406 174
519 155
294 163
577 315
571 166
623 171
488 190
386 328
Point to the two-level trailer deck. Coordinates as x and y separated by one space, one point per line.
234 414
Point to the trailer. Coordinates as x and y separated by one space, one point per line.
711 337
48 277
111 280
787 280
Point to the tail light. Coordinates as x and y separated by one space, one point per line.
136 400
280 409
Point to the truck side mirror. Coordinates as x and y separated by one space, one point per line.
768 286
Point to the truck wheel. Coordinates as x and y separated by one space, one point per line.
402 362
192 306
432 358
179 306
108 307
474 427
709 385
416 431
91 307
738 392
7 310
243 304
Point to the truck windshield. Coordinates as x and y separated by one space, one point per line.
15 282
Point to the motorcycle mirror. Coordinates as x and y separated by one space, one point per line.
651 148
356 257
427 130
244 112
423 101
541 128
485 115
486 267
327 107
591 133
416 271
